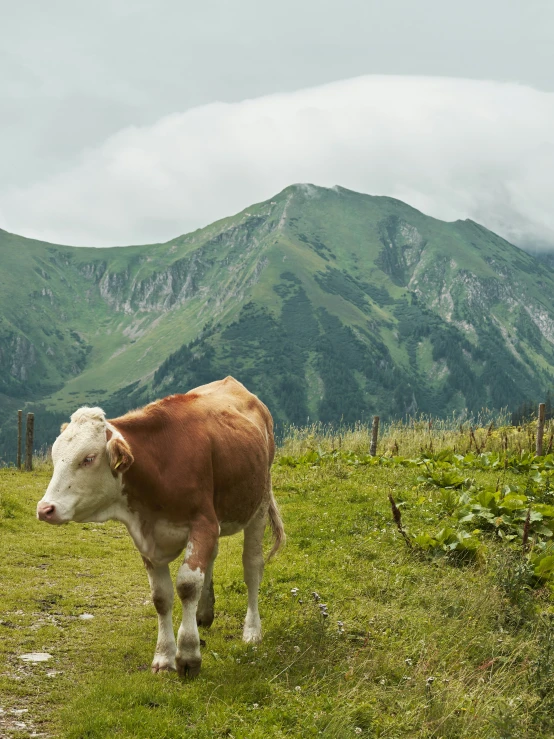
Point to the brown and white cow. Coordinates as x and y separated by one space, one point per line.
179 473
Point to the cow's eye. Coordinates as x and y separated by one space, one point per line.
87 461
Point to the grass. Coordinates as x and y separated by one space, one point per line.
412 646
421 434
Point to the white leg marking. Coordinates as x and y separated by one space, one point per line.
189 588
162 595
253 563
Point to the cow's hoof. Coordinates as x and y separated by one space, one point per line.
205 619
188 668
251 634
162 664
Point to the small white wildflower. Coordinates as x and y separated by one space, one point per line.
408 661
294 591
255 705
382 681
298 689
296 649
238 660
358 730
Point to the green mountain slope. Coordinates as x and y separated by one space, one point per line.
330 304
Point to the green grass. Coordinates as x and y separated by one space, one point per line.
428 647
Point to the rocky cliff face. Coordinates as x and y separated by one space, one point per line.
403 248
143 288
18 358
466 297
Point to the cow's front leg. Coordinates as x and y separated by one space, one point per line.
161 588
190 581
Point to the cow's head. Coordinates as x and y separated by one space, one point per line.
89 457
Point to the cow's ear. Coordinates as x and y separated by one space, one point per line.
119 454
63 427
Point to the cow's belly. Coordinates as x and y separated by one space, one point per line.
228 528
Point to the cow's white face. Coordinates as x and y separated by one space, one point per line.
88 457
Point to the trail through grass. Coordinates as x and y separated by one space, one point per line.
412 646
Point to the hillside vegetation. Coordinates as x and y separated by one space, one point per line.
363 635
329 304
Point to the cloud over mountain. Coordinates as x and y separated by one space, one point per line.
450 147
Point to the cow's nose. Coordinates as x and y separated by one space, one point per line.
46 511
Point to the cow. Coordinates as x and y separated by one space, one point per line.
179 473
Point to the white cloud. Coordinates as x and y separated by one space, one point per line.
453 148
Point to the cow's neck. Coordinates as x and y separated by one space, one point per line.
152 526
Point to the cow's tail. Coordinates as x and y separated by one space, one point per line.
277 528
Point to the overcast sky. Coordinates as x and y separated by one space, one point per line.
123 121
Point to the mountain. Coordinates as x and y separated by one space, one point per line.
329 304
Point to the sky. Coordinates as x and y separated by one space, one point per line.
134 121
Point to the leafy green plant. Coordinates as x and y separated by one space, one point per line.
448 540
449 500
446 477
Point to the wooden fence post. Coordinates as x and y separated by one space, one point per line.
374 435
19 430
29 442
540 428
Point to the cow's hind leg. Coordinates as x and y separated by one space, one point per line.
161 588
190 581
205 608
253 563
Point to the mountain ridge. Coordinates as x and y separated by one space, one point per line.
433 316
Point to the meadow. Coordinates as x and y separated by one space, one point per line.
438 624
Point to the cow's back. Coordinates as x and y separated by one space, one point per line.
229 399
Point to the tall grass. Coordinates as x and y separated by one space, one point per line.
488 431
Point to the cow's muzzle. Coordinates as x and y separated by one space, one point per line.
47 512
